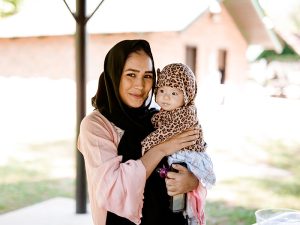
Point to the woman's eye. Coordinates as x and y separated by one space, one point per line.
130 74
148 76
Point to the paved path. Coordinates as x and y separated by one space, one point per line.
56 211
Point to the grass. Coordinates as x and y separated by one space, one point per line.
20 194
220 212
232 201
260 169
41 176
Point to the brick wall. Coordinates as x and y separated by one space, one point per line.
54 56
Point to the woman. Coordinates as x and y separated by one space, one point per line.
123 189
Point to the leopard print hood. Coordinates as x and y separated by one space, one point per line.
178 75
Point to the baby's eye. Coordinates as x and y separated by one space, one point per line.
161 91
174 93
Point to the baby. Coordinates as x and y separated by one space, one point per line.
175 94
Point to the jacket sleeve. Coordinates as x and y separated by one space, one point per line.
117 187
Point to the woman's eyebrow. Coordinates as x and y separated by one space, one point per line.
130 69
135 70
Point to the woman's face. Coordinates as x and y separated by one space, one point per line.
136 79
169 98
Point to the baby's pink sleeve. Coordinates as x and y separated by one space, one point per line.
197 199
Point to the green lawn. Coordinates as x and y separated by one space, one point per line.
38 173
49 172
278 185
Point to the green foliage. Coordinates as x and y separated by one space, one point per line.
295 19
9 7
220 213
20 194
287 54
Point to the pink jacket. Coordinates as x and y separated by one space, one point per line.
114 186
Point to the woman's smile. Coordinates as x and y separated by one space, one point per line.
136 80
138 96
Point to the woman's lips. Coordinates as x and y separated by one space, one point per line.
138 96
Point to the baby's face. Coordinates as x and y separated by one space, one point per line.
169 98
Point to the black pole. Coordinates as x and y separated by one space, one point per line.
80 94
81 20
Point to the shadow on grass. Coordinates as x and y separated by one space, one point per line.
222 213
20 194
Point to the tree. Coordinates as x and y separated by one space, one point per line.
288 54
9 7
295 20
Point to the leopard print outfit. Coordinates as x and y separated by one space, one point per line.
169 123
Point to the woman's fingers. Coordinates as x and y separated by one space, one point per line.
172 188
188 135
181 182
187 143
181 141
189 132
187 138
180 168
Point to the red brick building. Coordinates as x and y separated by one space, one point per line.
213 43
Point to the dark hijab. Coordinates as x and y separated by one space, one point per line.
136 123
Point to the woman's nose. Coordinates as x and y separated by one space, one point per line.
139 83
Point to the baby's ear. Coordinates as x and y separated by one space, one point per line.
158 74
158 71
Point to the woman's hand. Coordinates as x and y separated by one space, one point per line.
179 141
152 157
181 182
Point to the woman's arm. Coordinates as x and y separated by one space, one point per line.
152 157
113 186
